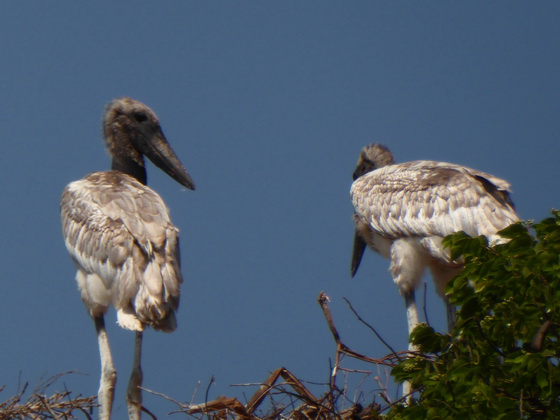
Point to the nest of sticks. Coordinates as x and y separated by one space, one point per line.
39 405
281 396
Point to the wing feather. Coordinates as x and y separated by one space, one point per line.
119 231
425 198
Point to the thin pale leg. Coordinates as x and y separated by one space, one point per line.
407 266
134 393
442 275
408 260
106 392
413 321
411 314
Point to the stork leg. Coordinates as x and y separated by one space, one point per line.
413 321
411 314
106 392
442 275
407 267
134 393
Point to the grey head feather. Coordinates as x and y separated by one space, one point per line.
372 157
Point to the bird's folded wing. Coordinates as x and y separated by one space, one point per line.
431 199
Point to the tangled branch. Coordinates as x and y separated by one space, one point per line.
60 405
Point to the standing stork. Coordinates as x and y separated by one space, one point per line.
403 211
121 239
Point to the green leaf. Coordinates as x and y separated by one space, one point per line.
488 369
470 308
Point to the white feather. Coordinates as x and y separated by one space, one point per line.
403 211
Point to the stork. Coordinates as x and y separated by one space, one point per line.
121 239
403 212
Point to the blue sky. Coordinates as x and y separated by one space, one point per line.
267 104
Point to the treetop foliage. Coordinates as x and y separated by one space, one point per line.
502 359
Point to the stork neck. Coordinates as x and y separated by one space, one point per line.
130 167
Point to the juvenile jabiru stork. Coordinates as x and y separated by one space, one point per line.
403 211
121 239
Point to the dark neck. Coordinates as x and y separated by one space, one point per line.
130 167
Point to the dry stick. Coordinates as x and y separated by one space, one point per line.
225 403
47 407
39 405
383 387
85 413
291 380
168 398
371 328
45 404
208 390
342 348
220 403
258 396
295 383
195 391
323 299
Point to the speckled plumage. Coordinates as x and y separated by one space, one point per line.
120 237
403 211
425 198
125 247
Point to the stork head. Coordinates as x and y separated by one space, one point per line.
131 131
372 157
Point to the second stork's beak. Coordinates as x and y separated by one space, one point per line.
357 253
152 143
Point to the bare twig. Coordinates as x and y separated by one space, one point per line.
159 394
343 349
58 406
290 398
372 329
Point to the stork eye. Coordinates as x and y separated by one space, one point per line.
140 116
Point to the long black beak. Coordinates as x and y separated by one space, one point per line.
152 143
357 253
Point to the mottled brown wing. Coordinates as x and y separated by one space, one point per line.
431 199
119 229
